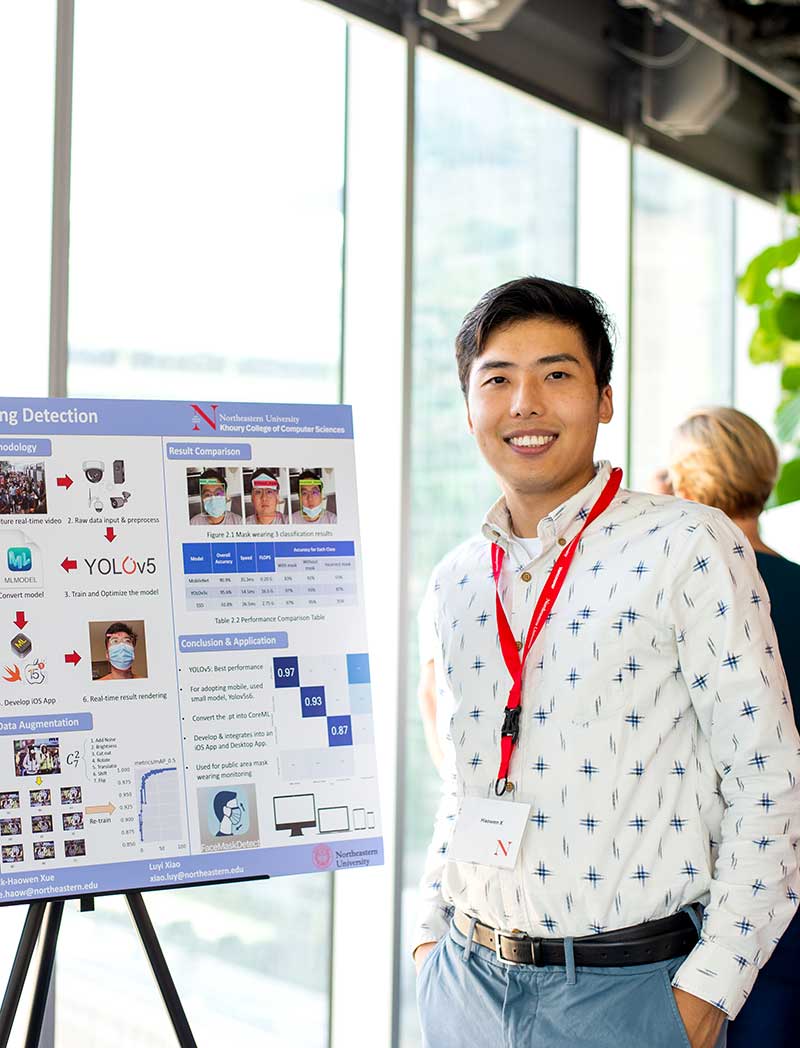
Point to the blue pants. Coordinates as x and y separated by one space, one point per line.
467 998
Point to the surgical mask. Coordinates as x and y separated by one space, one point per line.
315 512
120 656
215 505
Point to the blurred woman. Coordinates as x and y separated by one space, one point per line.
723 458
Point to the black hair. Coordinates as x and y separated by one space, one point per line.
309 474
220 801
120 627
536 298
213 474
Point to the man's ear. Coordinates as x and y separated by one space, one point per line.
606 412
470 427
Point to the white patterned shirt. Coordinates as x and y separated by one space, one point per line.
657 747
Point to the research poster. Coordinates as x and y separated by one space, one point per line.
185 684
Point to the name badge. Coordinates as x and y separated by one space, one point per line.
488 832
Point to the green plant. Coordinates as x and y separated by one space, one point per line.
776 340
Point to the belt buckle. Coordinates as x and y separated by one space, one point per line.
497 947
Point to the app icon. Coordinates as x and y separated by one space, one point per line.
35 673
19 558
21 645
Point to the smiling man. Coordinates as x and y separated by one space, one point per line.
612 859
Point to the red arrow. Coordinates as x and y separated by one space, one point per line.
74 658
64 482
110 534
69 565
20 621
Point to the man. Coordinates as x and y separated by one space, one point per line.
643 759
214 500
120 651
228 813
312 508
266 493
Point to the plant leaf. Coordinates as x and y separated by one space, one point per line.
787 315
790 378
788 487
787 418
791 201
753 285
764 347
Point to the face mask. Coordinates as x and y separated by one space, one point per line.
215 505
120 656
315 512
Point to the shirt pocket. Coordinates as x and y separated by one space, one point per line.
607 690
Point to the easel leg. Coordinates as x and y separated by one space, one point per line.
160 970
19 969
55 910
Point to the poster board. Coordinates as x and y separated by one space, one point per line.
185 685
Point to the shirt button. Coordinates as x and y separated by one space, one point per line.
562 541
526 576
519 645
509 787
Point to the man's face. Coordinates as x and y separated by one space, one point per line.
233 811
265 501
118 638
533 406
310 495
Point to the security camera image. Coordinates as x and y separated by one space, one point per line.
37 757
22 487
42 823
12 853
44 849
75 848
9 801
39 798
10 827
72 820
71 795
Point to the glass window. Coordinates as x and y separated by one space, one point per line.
27 85
205 261
604 200
683 303
759 224
494 200
206 217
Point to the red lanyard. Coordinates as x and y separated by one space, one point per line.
515 663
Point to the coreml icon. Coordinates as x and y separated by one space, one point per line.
19 558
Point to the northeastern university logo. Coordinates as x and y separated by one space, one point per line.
207 418
322 856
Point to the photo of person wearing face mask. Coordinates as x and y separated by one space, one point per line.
214 499
118 650
121 651
266 497
313 502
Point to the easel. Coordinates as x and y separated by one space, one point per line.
31 930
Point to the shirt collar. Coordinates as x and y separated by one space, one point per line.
560 522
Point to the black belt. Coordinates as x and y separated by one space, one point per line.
640 944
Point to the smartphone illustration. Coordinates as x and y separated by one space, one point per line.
119 471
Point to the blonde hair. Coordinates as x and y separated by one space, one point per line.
723 458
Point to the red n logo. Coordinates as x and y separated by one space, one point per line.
501 847
200 414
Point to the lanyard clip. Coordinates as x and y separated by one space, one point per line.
510 727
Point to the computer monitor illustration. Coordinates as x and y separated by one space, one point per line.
296 813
